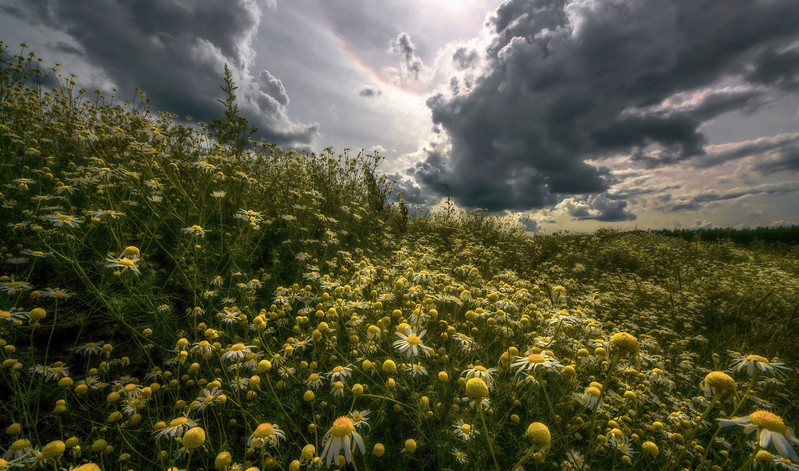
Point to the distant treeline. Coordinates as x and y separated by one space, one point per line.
782 234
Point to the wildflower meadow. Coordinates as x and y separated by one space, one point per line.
183 297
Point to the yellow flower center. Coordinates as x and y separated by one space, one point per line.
625 342
178 421
538 433
763 455
593 391
264 430
194 438
338 369
480 368
768 421
237 347
413 340
20 444
650 448
53 450
536 358
757 358
64 217
131 251
127 262
466 429
476 388
342 427
721 381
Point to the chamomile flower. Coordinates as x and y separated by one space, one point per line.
756 363
237 352
416 370
539 435
339 373
535 361
60 220
176 428
203 348
411 344
342 436
719 384
770 430
464 430
208 398
195 231
124 263
590 397
90 348
359 418
477 393
479 371
56 293
12 286
314 381
266 434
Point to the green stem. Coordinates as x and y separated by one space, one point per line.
488 439
741 401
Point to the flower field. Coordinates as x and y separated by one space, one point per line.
174 297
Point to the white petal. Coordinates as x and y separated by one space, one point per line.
785 449
347 451
765 439
359 441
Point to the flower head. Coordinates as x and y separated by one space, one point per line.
719 384
626 344
757 364
194 438
533 361
342 436
410 343
476 389
770 428
266 434
539 434
124 263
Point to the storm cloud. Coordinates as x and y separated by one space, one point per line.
403 45
565 82
175 52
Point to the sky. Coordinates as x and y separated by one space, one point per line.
562 114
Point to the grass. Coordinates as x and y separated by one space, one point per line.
175 297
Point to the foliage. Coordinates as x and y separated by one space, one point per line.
173 298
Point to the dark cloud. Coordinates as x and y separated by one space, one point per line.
403 45
410 190
465 58
601 207
775 153
64 48
698 200
567 82
370 92
787 160
531 225
777 68
175 52
273 87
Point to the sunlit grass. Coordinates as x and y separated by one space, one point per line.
170 298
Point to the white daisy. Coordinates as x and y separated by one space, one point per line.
410 343
770 429
341 437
